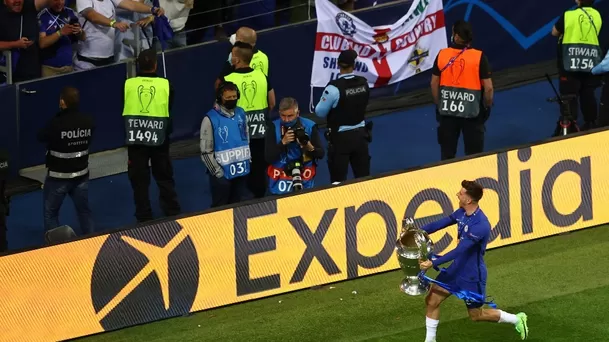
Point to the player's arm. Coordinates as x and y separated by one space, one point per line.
441 224
477 233
329 99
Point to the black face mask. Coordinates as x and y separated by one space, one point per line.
230 104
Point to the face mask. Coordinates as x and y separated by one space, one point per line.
289 123
452 39
230 104
233 39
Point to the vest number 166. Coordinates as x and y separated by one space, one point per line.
145 136
454 107
581 64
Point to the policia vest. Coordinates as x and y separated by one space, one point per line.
580 47
460 85
260 61
253 88
351 107
146 111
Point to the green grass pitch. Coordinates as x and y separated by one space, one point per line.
560 282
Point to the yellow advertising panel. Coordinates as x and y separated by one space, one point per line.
168 269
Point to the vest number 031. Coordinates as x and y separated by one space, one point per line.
147 136
454 107
237 168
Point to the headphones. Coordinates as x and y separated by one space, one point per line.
221 88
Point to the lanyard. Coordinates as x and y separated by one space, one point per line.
452 60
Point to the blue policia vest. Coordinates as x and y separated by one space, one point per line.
279 182
231 148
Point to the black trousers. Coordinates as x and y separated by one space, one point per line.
349 147
226 191
582 85
257 179
3 213
603 109
139 175
450 129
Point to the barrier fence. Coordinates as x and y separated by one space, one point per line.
510 36
275 246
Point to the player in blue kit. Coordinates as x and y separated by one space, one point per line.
467 273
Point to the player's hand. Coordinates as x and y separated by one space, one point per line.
288 137
425 265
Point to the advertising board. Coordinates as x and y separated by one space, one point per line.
201 262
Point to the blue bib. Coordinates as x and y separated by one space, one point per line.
231 148
281 183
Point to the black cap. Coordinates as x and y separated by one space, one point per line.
347 57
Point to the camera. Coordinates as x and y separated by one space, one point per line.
299 133
74 21
293 169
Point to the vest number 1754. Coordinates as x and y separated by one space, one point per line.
581 64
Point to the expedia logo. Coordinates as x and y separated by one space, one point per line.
143 275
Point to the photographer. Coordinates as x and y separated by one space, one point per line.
292 149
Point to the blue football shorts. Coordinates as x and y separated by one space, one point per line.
462 284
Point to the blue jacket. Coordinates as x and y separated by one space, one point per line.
231 146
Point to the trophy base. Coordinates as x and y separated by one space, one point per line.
413 287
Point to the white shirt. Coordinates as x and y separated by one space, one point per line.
100 39
176 12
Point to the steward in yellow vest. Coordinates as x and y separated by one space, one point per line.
147 128
578 52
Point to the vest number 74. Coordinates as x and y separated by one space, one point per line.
454 107
147 136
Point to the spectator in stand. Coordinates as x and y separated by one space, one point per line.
19 33
59 30
99 23
124 42
177 13
207 14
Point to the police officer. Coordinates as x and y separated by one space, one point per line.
225 149
245 37
603 69
257 99
148 100
68 137
462 90
292 143
344 103
578 52
4 170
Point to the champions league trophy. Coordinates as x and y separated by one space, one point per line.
413 245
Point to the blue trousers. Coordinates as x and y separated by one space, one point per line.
55 191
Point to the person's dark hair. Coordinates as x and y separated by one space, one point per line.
227 86
464 30
473 190
71 97
147 60
586 2
245 54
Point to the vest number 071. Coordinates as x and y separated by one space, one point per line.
454 107
147 136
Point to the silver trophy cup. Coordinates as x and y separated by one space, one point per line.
413 245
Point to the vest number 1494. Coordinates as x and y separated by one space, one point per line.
147 136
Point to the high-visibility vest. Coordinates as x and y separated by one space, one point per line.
460 84
146 110
253 89
581 50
